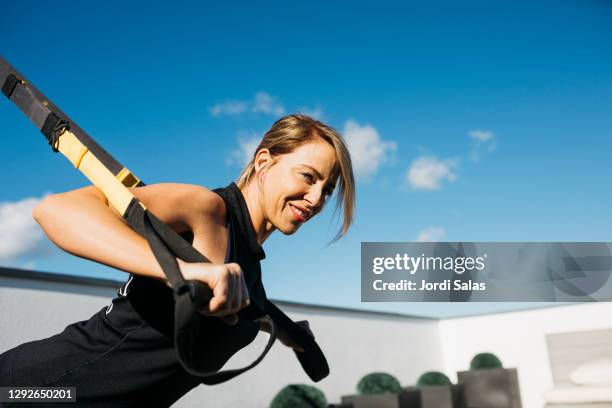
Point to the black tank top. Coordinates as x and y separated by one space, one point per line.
154 301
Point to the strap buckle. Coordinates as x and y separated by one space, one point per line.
53 128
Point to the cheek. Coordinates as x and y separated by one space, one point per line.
274 196
280 187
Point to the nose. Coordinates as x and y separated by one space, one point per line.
315 198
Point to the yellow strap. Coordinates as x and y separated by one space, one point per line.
114 188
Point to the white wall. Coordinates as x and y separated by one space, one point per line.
354 346
518 339
31 310
355 343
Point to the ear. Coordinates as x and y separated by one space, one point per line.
263 160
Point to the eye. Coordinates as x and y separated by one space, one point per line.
308 177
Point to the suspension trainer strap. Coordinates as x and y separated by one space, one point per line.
113 179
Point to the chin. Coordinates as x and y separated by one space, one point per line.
289 229
290 232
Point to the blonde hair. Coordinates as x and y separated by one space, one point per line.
292 131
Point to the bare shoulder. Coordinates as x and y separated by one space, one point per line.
207 206
184 205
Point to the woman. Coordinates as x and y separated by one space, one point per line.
124 354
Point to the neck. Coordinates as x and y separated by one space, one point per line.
253 197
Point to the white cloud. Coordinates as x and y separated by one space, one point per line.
242 155
268 104
432 234
230 108
262 103
315 113
368 150
428 172
20 235
481 135
482 141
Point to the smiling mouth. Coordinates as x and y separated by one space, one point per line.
298 214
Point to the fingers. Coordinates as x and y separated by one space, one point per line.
230 293
238 299
242 292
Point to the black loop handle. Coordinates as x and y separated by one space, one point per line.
200 294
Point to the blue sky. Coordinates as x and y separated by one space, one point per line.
469 121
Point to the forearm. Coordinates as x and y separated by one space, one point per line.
86 227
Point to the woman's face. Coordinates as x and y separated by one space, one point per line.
296 186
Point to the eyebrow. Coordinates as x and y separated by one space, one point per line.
331 186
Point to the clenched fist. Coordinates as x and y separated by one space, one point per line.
226 281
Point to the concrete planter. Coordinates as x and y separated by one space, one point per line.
430 396
433 396
372 401
408 398
491 388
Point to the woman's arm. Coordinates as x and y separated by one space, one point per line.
83 223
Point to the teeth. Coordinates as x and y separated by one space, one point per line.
300 212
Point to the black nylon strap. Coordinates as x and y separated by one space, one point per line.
9 85
142 221
159 236
312 359
30 101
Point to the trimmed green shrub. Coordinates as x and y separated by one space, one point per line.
433 378
485 360
299 396
378 383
